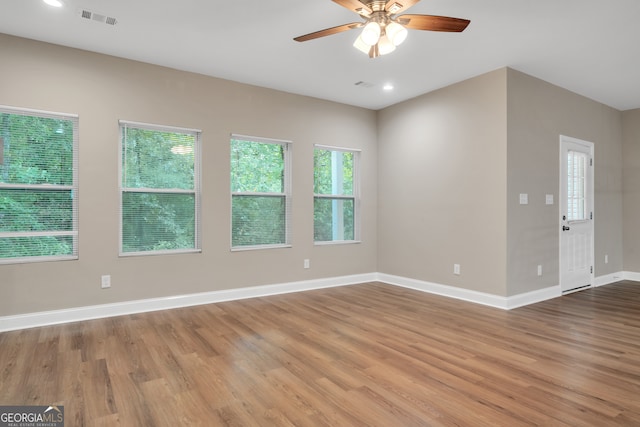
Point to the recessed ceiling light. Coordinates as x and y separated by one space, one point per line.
387 87
54 3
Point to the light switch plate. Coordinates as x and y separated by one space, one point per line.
105 281
456 269
549 199
524 199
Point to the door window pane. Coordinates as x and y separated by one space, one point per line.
576 186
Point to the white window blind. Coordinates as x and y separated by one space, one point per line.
159 189
38 185
577 163
336 194
260 192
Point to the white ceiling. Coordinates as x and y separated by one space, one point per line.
587 46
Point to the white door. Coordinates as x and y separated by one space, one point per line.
576 214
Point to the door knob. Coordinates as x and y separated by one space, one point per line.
566 228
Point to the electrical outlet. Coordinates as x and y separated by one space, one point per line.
307 263
606 259
456 269
539 270
106 281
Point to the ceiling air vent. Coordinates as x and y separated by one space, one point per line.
98 17
364 84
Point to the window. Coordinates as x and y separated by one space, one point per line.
576 186
38 186
160 189
260 192
335 205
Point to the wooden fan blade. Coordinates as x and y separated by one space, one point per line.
433 23
355 6
328 31
397 6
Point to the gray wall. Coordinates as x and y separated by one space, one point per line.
442 185
453 163
538 113
103 89
631 187
441 175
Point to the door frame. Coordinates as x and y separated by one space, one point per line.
564 140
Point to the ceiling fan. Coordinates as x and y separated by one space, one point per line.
383 29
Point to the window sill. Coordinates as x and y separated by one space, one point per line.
154 253
337 242
26 260
258 247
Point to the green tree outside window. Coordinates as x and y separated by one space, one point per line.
38 186
335 197
160 189
259 192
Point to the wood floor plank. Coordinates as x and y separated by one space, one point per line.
361 355
97 391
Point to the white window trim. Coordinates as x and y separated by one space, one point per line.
74 189
161 128
196 187
287 194
332 148
355 197
32 111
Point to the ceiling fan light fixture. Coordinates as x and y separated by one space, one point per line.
371 33
396 33
385 46
382 30
374 52
361 45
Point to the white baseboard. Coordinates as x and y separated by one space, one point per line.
45 318
629 275
444 290
533 297
608 279
505 303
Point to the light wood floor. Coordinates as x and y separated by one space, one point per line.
363 355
